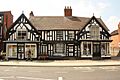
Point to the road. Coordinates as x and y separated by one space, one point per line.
60 73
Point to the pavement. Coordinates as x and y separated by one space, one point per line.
114 61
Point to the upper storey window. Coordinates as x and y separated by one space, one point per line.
1 24
59 35
94 30
71 35
1 19
21 34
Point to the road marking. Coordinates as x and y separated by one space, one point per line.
88 71
7 77
14 67
20 77
60 78
32 78
6 70
109 68
61 72
84 69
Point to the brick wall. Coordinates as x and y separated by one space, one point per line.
115 44
67 11
8 19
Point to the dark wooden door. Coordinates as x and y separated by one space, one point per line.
20 51
96 50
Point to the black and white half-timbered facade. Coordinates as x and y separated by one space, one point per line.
51 36
94 39
22 37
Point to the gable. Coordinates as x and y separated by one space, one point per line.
92 29
21 29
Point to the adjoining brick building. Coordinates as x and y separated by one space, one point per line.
51 36
115 44
6 19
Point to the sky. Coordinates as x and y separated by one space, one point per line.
108 10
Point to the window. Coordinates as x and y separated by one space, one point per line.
22 35
104 48
86 48
49 35
70 35
59 35
43 50
1 19
94 31
12 50
59 48
32 48
1 22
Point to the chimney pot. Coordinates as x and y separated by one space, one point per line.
65 7
31 13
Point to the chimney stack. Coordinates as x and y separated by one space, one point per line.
31 14
119 31
68 11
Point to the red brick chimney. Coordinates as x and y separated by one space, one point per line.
8 19
68 11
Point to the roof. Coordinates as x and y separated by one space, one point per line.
115 32
5 12
61 22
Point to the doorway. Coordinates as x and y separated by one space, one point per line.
70 50
20 51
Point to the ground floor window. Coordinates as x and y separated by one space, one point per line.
90 49
11 50
86 49
59 48
32 48
105 49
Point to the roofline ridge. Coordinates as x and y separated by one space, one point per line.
47 16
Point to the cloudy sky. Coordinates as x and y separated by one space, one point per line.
107 9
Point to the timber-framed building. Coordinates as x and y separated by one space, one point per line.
51 36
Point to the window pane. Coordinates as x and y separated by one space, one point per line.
60 48
22 35
59 35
